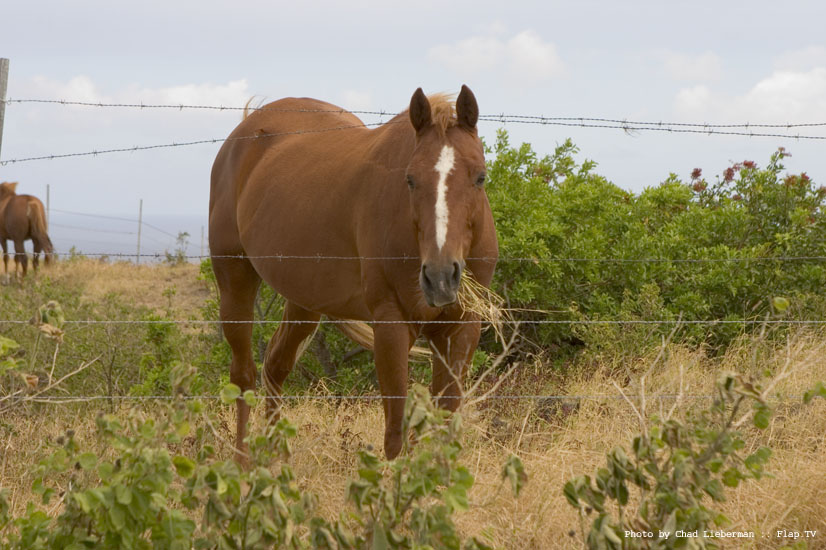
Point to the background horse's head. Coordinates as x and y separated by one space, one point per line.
446 177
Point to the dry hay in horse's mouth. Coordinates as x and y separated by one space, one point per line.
478 299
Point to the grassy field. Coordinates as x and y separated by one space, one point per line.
555 440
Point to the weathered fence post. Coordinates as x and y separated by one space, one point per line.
4 81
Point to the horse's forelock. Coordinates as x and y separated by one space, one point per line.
443 111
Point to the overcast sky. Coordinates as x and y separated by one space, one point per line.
673 61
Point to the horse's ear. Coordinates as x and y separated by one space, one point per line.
420 116
467 110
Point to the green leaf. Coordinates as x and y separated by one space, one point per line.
455 497
230 393
780 303
250 398
514 470
818 391
762 416
84 501
184 466
732 477
87 461
380 541
123 495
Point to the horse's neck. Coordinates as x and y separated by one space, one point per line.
392 145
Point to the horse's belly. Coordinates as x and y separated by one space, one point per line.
323 285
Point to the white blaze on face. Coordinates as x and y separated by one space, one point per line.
444 166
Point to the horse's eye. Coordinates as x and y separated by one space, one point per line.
480 181
410 183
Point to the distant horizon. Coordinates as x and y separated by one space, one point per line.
90 235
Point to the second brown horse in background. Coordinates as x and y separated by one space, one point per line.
22 218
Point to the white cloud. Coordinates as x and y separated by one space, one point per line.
703 67
82 88
524 55
801 60
782 97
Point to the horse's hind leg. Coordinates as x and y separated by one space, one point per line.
238 284
20 257
36 254
4 244
297 326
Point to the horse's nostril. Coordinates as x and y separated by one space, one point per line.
457 272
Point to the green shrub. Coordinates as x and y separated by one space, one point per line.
646 498
161 485
582 243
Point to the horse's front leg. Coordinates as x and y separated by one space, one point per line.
391 347
453 346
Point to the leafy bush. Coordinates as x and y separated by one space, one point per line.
646 499
583 242
167 489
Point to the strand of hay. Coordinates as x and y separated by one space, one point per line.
479 300
474 298
362 334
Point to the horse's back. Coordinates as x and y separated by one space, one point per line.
291 180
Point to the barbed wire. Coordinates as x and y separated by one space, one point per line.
58 399
433 322
382 112
628 127
187 143
528 259
539 398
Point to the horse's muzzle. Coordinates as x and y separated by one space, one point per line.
440 282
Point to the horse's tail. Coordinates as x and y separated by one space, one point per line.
249 109
362 334
37 218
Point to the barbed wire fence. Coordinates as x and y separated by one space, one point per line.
628 126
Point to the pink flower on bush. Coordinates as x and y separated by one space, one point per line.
696 173
728 174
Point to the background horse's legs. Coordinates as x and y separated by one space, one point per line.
20 257
391 348
284 349
453 347
238 284
4 244
37 248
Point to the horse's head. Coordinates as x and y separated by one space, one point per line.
8 188
446 177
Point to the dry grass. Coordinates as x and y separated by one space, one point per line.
555 440
152 285
554 446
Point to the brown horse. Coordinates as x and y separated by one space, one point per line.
354 223
22 217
